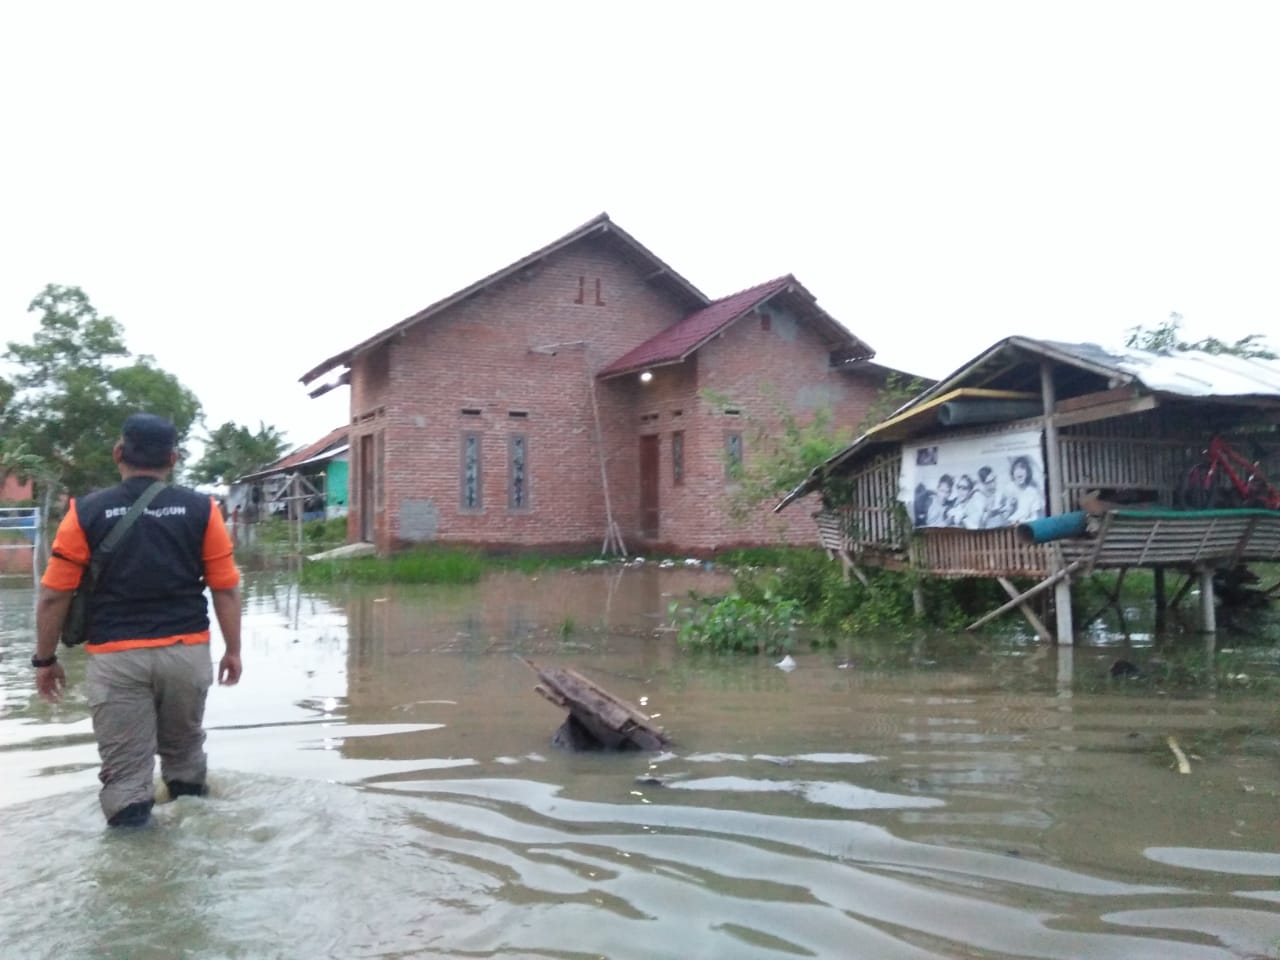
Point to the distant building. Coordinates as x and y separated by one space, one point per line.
17 526
322 464
14 490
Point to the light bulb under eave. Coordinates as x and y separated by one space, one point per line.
646 376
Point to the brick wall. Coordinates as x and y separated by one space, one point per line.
518 359
756 368
474 366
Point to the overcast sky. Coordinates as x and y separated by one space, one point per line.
252 187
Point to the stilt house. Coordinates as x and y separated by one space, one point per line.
1048 460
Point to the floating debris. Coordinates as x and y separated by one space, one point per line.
597 719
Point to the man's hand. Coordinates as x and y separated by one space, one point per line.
228 669
50 682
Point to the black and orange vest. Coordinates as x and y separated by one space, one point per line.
153 583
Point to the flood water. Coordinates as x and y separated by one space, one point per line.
384 786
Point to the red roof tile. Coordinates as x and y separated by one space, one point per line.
678 341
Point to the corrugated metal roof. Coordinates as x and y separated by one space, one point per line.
1188 373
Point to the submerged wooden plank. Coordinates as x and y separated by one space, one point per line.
596 713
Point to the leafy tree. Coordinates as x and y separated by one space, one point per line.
232 451
1167 338
73 387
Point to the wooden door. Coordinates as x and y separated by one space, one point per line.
366 488
649 486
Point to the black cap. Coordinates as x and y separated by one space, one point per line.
148 440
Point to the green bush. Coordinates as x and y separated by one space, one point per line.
763 623
832 608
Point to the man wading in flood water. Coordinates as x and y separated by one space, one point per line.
148 623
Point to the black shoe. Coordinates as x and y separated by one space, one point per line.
181 788
134 815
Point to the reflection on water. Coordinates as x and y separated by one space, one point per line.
384 787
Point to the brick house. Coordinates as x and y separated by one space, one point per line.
14 490
562 401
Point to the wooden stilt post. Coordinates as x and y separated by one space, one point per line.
917 588
1055 501
1026 595
1208 616
1066 671
1161 600
1036 623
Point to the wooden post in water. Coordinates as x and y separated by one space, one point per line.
1161 601
1055 502
1208 616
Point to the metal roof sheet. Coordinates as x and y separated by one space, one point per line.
1190 373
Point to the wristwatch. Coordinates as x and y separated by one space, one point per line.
48 661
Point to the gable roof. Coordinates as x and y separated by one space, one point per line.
1186 374
333 443
600 226
676 343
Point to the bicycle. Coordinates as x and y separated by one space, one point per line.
1225 478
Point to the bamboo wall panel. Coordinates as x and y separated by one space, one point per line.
1151 451
831 530
981 553
873 516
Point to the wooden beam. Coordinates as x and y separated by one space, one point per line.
1086 400
857 572
1027 594
1036 623
1106 411
1182 591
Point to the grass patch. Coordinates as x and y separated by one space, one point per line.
436 565
276 532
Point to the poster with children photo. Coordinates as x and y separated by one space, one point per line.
975 483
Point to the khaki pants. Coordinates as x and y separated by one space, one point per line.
145 702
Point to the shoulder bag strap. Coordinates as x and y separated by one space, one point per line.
113 538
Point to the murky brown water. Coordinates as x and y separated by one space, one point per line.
384 787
